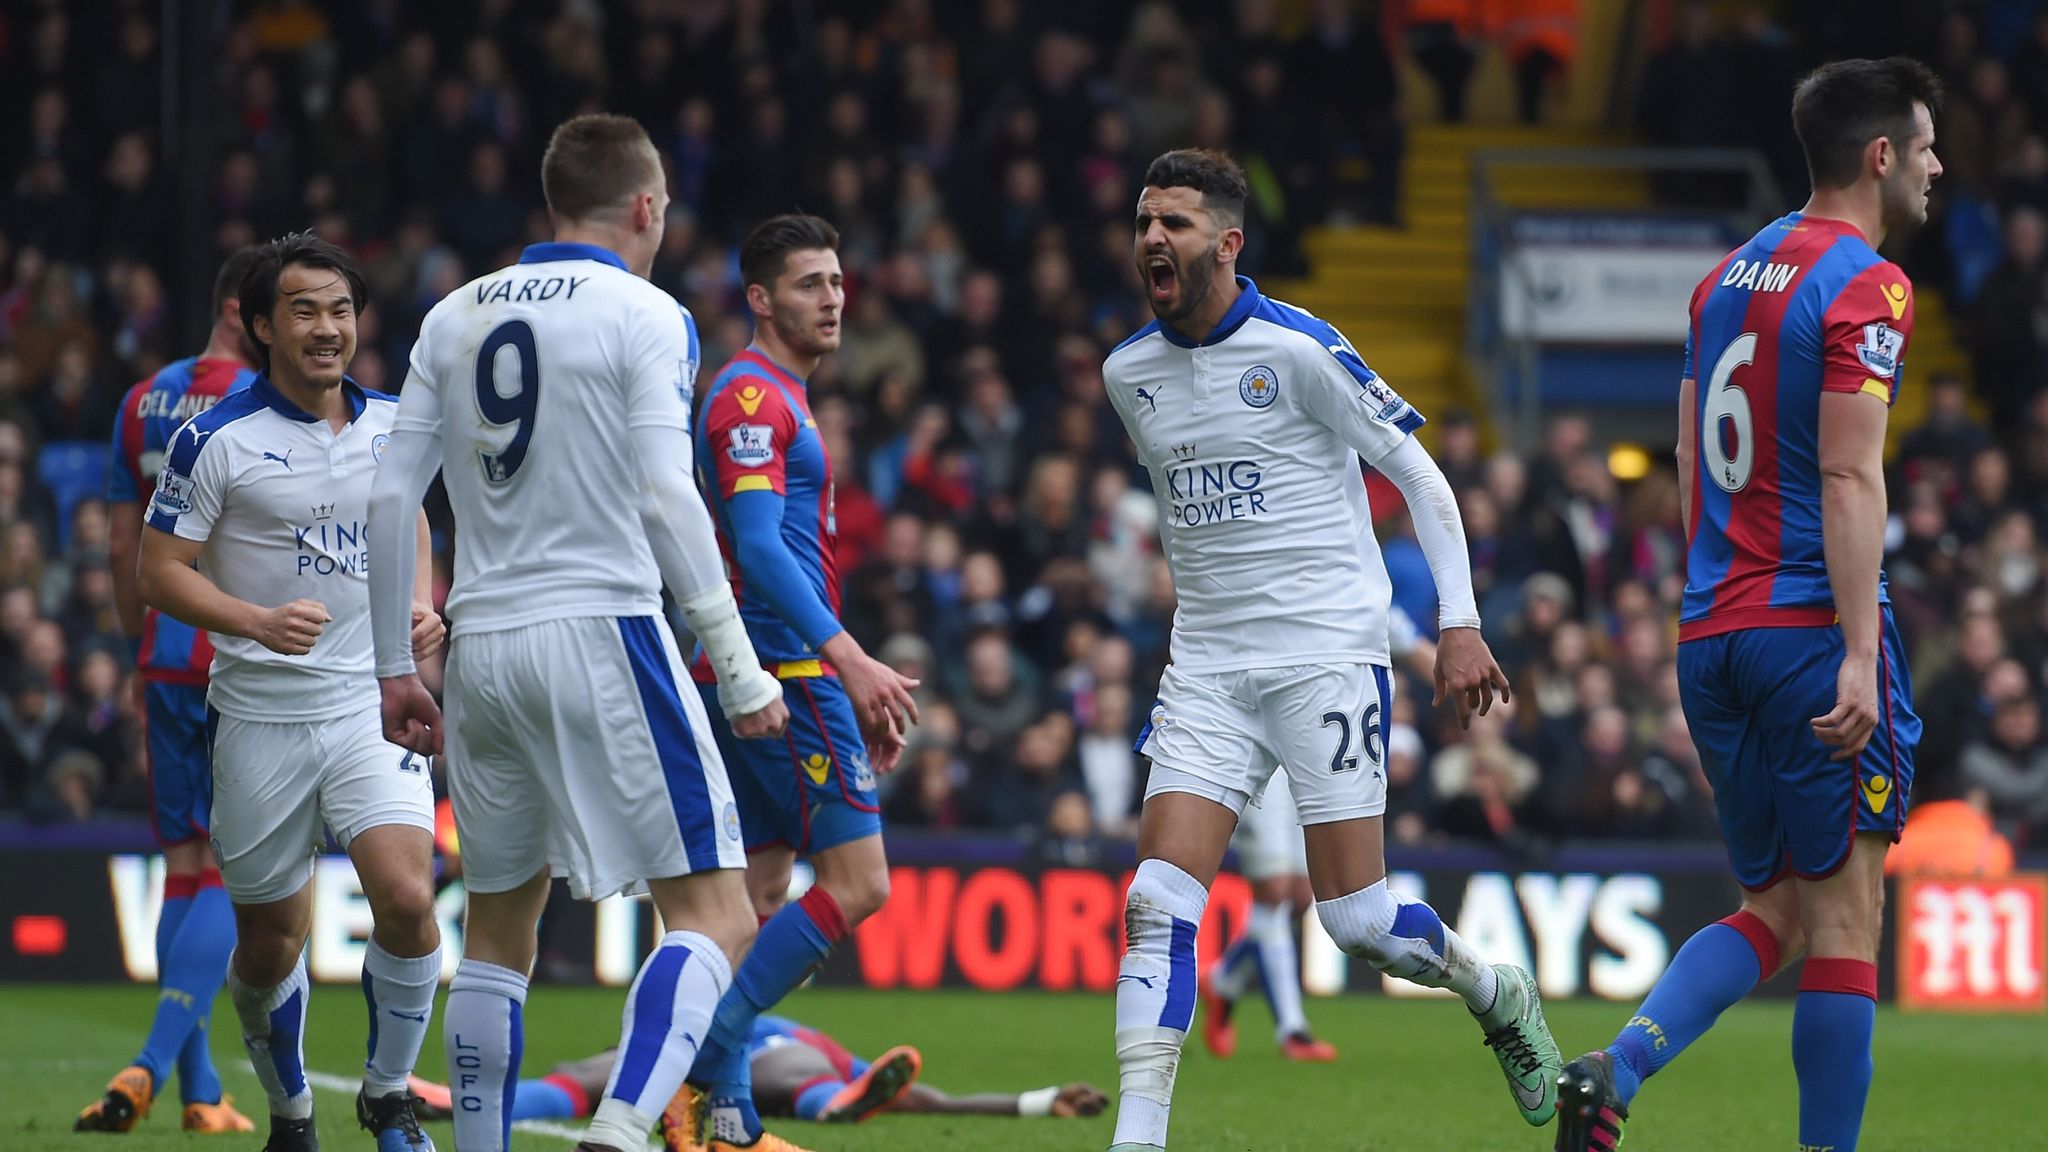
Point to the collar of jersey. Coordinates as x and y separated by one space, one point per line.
1825 224
1240 311
761 359
275 401
552 250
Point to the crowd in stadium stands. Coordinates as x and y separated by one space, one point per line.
980 160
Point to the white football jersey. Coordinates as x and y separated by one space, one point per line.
280 502
1253 439
532 376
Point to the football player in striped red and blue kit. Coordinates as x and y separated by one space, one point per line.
1791 671
195 931
767 479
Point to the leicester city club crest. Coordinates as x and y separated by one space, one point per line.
377 446
1259 387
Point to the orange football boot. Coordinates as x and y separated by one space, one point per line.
126 1101
874 1090
681 1121
215 1118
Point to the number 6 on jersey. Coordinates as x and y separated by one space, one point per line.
1727 402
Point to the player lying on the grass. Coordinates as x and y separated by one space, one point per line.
1274 859
801 1073
196 930
1791 670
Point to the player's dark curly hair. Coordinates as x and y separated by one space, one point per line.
766 250
1212 173
1841 107
258 292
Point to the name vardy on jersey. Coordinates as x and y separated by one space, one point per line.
1214 493
538 288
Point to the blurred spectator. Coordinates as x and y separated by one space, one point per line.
993 699
1443 36
2010 767
1019 791
2009 325
1484 783
1108 765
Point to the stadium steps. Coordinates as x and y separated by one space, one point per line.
1400 294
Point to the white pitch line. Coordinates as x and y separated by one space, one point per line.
345 1086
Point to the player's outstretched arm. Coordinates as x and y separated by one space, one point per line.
398 547
1072 1100
1852 518
172 584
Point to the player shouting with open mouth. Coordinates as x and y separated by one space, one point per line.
1251 416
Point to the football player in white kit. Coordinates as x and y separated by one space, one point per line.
255 534
1273 858
553 398
1251 416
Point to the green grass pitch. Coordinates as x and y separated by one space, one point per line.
1413 1074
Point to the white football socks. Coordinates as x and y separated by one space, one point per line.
1405 938
1155 997
668 1014
273 1030
483 1031
399 991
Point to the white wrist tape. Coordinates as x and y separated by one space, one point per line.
714 618
1037 1102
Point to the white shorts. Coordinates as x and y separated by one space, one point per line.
1221 734
275 785
1268 838
580 746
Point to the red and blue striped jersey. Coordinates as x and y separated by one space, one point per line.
151 413
1806 307
755 434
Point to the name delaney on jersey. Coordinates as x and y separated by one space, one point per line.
1213 493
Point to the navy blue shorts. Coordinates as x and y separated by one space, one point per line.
1750 698
811 790
180 762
